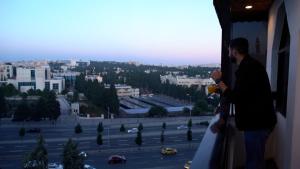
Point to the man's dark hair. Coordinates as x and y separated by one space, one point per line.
240 44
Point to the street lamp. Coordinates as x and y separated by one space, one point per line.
190 104
108 113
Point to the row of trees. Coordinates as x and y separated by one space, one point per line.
139 139
98 94
47 107
38 158
149 82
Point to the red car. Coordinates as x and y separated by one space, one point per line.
116 159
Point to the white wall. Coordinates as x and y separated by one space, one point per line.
287 135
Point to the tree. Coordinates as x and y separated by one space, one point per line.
39 155
162 137
186 110
189 135
200 107
122 128
22 132
71 157
22 112
53 106
3 107
157 111
78 129
100 127
190 124
113 103
9 90
75 96
164 126
99 139
138 139
140 127
41 110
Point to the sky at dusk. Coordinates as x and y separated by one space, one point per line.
173 32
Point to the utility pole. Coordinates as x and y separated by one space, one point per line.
190 104
108 137
108 114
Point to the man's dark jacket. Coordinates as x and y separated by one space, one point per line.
252 97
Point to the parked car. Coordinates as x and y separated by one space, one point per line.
168 151
55 166
133 130
34 130
187 165
182 127
116 159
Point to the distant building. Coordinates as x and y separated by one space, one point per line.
82 63
6 71
125 90
67 75
185 80
93 78
38 77
75 108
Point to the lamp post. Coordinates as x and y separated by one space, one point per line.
190 104
108 114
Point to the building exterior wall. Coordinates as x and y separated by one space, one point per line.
36 78
93 78
125 90
286 136
185 81
75 108
6 71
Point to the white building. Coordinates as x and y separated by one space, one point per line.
93 78
125 90
75 108
6 71
36 78
185 80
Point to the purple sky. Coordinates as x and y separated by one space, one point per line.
149 31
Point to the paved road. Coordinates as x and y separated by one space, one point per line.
11 154
13 148
12 151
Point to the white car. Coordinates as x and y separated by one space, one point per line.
133 130
86 166
182 127
55 166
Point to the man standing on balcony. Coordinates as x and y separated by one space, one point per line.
251 95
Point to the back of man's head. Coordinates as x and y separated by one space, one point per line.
241 45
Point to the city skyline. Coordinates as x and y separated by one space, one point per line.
148 32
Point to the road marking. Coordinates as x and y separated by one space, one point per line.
15 151
85 142
124 144
177 140
156 138
85 147
123 140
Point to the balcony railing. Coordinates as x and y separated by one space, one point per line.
223 150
